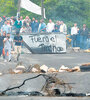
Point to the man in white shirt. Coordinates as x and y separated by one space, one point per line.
8 44
74 33
50 26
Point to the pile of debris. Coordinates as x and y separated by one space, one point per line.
20 69
51 88
87 51
41 69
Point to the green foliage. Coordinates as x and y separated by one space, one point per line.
70 11
7 8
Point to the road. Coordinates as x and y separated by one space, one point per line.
51 60
69 59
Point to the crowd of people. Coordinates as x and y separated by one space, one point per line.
80 37
6 46
30 26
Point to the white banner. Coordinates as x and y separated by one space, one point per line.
32 7
50 43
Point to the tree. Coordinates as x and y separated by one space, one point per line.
69 11
7 8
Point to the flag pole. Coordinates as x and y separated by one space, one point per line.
18 10
42 9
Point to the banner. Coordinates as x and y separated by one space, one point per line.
32 7
46 43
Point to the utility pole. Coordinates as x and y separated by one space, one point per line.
42 9
18 10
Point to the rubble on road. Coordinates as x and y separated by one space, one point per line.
36 69
44 68
85 67
87 51
20 69
76 49
1 74
66 69
52 70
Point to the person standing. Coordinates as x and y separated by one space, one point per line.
28 29
63 28
36 25
18 25
50 26
18 42
26 21
1 44
33 25
74 33
8 44
6 28
23 29
55 29
1 23
3 52
58 23
83 37
42 26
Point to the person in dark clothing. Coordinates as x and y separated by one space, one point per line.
1 22
33 25
58 25
83 37
55 29
18 42
1 44
36 26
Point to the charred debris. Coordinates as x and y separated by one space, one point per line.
49 88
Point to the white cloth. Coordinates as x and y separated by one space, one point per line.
32 7
74 31
50 27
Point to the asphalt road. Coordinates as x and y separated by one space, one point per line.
51 60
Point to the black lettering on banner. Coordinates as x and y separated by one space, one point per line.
52 39
56 49
46 39
32 38
39 39
45 48
48 48
46 43
59 49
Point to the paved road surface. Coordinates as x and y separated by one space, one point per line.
51 60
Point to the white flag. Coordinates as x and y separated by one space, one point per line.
32 7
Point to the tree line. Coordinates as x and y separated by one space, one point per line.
70 11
